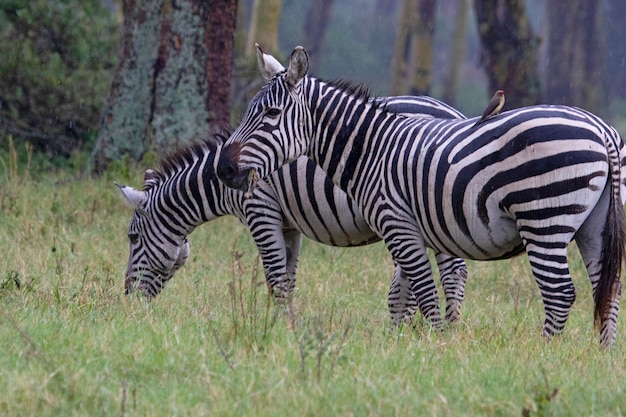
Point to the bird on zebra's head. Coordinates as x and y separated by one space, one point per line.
297 200
530 180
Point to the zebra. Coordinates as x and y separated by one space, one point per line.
527 180
296 200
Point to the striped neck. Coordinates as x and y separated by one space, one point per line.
345 123
190 192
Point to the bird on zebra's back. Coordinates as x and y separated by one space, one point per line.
295 201
493 107
531 180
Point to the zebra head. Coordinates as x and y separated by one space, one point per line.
155 253
276 128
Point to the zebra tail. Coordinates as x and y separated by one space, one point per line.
614 239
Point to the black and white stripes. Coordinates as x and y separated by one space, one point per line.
296 200
531 179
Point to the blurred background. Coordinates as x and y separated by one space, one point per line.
88 83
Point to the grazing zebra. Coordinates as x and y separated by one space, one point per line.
531 179
298 199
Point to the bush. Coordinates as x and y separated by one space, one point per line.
57 62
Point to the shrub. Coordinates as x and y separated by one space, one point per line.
57 61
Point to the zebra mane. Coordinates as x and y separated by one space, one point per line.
183 155
357 90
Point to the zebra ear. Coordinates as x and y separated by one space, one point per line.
132 196
268 65
151 178
298 66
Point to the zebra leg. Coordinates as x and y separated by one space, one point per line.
267 232
590 245
293 243
548 262
409 253
274 258
453 273
404 304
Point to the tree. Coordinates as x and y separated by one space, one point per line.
172 79
56 61
509 51
314 29
220 40
400 60
577 54
412 58
264 26
616 48
457 53
422 55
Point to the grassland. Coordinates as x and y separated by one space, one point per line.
71 344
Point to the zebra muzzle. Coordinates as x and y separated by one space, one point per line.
230 174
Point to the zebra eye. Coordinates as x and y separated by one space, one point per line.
273 112
133 237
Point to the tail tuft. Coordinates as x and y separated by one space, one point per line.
613 241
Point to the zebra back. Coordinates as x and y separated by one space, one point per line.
418 107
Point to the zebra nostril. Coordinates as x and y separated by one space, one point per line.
226 169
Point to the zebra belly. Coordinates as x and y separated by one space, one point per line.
498 239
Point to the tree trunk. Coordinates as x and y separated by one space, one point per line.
509 51
577 54
559 55
595 54
220 41
412 57
616 49
422 55
172 79
264 26
315 24
457 53
399 62
241 30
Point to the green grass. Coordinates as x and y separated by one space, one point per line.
71 344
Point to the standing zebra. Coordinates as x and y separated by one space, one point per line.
531 179
298 199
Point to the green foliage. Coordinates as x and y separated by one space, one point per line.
57 62
213 344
